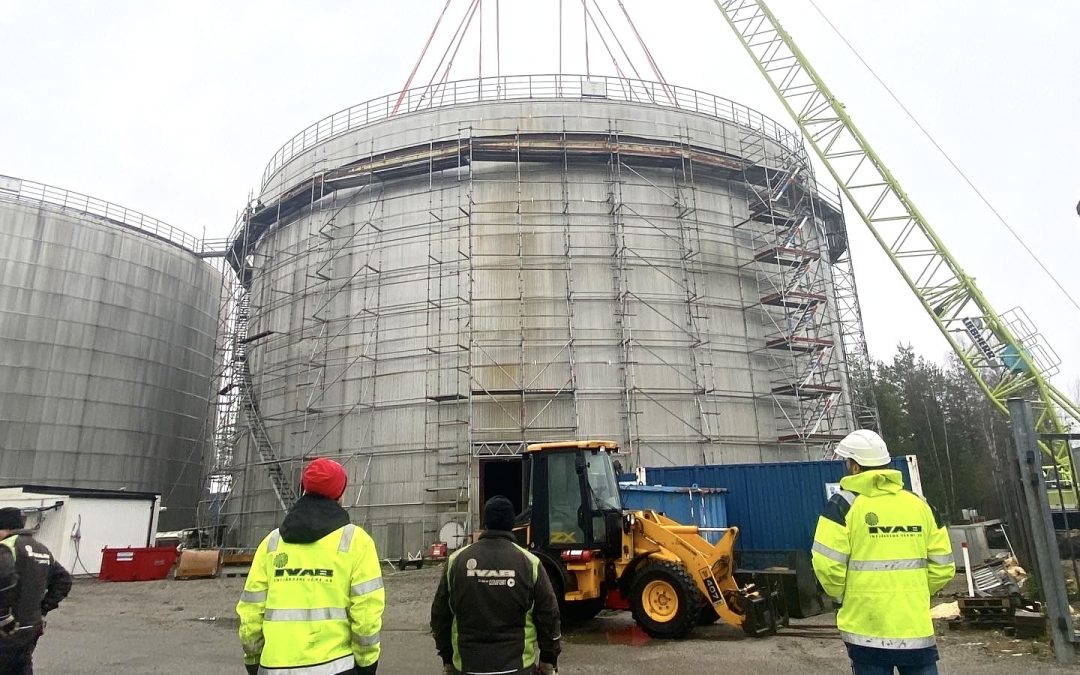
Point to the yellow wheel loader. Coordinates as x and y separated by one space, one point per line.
599 555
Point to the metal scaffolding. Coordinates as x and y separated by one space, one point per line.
417 310
448 338
790 255
676 264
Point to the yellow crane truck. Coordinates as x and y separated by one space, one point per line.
599 555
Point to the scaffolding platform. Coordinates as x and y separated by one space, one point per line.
793 299
805 345
785 256
447 398
806 391
811 438
771 215
523 392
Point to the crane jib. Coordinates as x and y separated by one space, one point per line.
1001 351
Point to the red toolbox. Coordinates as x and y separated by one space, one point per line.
136 564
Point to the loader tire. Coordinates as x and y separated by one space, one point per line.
664 600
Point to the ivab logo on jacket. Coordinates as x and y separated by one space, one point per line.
490 577
283 572
871 520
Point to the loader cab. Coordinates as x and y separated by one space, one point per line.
572 497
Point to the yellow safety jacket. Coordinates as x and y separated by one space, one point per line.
313 608
882 551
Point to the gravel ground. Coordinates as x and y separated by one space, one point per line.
190 627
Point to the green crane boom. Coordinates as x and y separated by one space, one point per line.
1001 351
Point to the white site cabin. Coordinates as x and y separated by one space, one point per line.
76 523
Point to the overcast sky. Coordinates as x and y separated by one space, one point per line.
174 108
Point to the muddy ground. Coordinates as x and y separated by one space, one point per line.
190 627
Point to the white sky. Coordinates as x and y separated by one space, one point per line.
174 109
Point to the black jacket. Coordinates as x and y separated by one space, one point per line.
32 583
495 589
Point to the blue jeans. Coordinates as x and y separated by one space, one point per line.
874 669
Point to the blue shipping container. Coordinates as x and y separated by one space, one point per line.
775 506
704 507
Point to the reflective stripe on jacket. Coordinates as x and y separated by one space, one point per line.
313 608
882 551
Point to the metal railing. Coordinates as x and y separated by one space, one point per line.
527 87
20 190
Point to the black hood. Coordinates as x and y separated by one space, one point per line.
312 518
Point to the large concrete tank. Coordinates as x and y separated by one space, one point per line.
108 323
523 259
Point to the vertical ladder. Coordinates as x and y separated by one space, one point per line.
697 312
622 297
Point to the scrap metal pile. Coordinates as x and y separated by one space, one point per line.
998 601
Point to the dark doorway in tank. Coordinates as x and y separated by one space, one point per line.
501 476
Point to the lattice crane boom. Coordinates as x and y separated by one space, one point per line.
1001 351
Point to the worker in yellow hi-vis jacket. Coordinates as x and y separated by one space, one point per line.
314 598
882 551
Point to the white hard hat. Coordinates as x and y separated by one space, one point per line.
865 447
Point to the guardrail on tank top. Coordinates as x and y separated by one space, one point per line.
530 87
21 190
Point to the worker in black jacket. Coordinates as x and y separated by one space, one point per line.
32 584
502 603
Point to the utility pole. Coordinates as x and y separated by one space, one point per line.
1048 562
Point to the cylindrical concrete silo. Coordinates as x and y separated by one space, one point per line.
108 322
511 260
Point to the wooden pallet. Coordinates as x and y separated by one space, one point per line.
984 612
234 571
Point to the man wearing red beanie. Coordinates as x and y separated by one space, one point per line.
314 598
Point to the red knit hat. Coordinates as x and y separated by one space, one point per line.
325 477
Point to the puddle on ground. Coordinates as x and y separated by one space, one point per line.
609 628
632 636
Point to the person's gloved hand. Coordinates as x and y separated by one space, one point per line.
447 669
252 668
7 624
547 669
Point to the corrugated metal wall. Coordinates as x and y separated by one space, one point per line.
106 357
775 506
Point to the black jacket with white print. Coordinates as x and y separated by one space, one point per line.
495 610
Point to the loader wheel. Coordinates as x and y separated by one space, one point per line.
664 600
